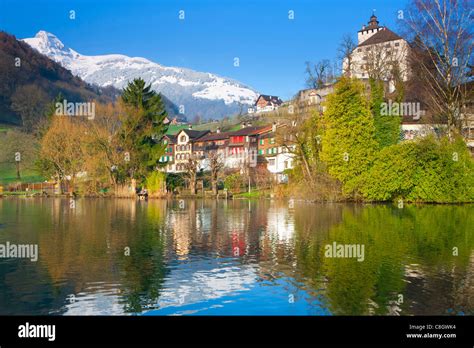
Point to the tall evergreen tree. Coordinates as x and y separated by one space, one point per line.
142 128
348 142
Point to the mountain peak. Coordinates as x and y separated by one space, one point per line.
50 40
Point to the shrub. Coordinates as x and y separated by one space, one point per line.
155 183
427 170
234 182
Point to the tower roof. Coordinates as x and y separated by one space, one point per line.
373 22
383 35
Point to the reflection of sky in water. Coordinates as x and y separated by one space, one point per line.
226 288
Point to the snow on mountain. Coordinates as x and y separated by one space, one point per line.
206 94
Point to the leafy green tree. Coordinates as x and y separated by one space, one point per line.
348 142
387 127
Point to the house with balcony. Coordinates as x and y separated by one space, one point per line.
277 156
242 147
183 148
167 160
211 143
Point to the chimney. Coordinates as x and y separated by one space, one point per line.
190 126
218 130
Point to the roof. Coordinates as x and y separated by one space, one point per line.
269 99
171 138
215 136
194 134
250 130
384 35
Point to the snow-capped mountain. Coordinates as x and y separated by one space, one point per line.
206 94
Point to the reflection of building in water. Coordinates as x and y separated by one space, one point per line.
182 224
280 224
276 243
181 233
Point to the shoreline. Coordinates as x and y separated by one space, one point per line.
231 198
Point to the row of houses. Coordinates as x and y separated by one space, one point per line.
248 147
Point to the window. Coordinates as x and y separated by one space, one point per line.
397 44
260 152
272 141
262 142
286 164
183 138
271 162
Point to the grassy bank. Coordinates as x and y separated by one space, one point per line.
8 174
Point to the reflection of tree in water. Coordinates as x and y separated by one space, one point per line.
144 270
395 241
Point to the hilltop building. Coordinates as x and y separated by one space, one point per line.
380 53
265 103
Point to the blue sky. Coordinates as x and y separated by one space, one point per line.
272 49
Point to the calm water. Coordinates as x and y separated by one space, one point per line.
236 257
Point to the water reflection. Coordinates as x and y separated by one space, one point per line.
235 257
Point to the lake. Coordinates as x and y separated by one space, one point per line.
259 257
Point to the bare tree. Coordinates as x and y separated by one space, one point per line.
442 36
382 63
191 168
18 148
293 135
319 73
29 101
216 164
345 50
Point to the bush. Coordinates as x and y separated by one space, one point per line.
155 183
234 182
427 170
